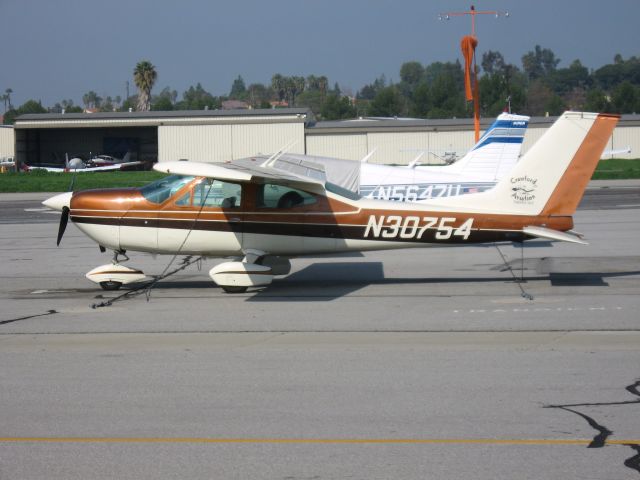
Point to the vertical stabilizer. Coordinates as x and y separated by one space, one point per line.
551 177
497 151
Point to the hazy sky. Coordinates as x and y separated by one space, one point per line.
57 49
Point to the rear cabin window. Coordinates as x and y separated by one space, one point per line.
280 196
213 193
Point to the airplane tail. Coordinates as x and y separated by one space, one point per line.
498 149
551 177
127 157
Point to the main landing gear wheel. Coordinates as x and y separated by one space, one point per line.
110 285
234 289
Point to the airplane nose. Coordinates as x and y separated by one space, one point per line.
57 202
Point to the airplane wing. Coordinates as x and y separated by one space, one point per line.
244 170
106 168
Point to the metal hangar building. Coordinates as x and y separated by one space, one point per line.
220 135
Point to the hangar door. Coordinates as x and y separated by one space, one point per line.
48 146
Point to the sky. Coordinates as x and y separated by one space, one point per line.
60 49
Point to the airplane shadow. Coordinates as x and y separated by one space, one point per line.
328 281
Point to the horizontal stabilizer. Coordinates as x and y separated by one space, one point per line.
549 234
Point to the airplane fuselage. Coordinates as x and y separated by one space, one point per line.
125 219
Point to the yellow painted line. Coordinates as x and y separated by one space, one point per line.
354 441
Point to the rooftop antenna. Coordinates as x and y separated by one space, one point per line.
468 45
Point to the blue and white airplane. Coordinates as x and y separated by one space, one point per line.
494 156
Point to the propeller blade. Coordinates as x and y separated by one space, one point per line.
64 219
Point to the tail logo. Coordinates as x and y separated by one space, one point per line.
523 189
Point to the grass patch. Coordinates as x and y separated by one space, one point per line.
43 181
617 169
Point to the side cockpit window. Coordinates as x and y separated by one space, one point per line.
213 193
282 197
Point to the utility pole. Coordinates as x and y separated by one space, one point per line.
468 45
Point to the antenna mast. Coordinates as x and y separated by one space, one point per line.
468 46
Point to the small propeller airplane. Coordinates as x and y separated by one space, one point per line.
492 157
262 216
98 163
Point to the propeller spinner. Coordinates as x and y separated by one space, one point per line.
61 203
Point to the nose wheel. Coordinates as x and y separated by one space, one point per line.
110 285
233 289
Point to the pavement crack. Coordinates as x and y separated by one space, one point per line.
48 312
633 462
600 440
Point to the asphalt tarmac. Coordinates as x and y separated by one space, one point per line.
432 363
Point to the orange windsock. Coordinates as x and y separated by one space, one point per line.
468 46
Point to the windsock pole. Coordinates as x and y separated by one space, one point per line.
468 45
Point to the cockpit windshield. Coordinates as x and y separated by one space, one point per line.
160 190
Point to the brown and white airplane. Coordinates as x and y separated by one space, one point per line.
263 216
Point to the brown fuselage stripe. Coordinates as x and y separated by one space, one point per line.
339 232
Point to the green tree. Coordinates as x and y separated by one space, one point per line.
421 101
258 94
412 73
162 104
337 108
492 62
564 80
30 106
609 76
597 101
107 105
625 98
144 76
540 62
504 86
91 100
452 70
542 100
368 92
238 89
555 105
294 86
165 100
278 84
447 97
197 98
387 103
312 99
10 116
8 93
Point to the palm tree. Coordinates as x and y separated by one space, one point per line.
278 86
8 91
144 75
4 98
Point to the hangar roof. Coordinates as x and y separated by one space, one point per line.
155 118
369 124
